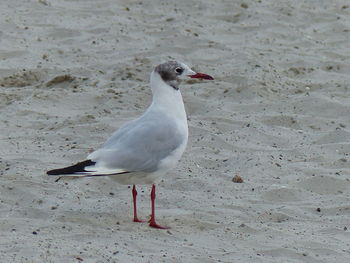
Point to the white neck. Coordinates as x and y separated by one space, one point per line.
167 98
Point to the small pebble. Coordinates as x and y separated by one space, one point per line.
237 179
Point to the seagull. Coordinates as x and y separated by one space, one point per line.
144 149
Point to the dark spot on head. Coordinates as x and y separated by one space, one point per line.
167 76
169 73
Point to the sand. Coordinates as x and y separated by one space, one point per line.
277 115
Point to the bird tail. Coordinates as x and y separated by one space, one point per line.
73 170
79 170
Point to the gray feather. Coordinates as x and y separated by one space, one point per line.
140 145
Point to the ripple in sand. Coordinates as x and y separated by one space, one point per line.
324 185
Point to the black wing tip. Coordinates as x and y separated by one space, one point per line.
79 167
53 172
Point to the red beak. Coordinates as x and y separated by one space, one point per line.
201 76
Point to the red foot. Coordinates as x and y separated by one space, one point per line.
152 221
134 194
138 220
155 225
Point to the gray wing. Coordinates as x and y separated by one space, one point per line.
140 145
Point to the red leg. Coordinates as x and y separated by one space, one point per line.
152 221
134 194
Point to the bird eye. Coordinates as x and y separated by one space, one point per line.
179 70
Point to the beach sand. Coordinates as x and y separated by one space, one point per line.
277 115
